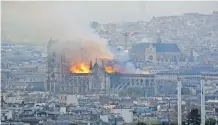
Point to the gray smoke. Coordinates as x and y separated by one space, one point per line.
131 67
123 59
37 22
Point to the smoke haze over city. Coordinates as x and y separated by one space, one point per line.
109 63
39 21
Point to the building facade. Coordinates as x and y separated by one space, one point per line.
59 79
57 68
146 82
156 53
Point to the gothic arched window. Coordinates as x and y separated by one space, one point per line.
150 57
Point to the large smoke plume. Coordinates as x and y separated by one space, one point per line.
37 22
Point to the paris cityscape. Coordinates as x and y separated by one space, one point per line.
109 63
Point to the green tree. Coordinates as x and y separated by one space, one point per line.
155 122
186 91
210 121
136 92
194 117
141 123
164 123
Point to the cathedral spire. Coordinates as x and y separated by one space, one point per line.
96 60
90 65
102 63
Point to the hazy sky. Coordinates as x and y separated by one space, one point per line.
31 20
112 10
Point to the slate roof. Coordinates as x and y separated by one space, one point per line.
167 47
160 47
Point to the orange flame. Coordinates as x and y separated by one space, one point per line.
84 68
109 69
79 68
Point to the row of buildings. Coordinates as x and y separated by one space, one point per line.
22 67
101 109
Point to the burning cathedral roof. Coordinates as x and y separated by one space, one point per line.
108 66
87 68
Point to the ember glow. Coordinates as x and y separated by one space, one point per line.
109 69
79 68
